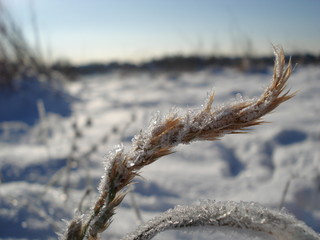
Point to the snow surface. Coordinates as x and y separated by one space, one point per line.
37 191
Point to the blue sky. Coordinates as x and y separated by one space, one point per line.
137 30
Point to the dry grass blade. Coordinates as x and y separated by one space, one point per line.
165 134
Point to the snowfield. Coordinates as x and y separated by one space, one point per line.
46 168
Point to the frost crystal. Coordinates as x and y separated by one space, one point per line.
247 217
160 139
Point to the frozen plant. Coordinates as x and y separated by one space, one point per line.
250 217
164 134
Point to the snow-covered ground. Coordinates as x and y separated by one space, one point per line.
45 169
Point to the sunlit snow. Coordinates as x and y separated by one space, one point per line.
275 161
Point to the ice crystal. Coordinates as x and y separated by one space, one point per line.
248 217
160 139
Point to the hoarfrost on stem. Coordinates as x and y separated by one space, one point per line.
160 139
245 216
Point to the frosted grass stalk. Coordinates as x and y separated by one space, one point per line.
249 217
163 135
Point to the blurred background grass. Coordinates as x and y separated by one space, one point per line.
80 37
